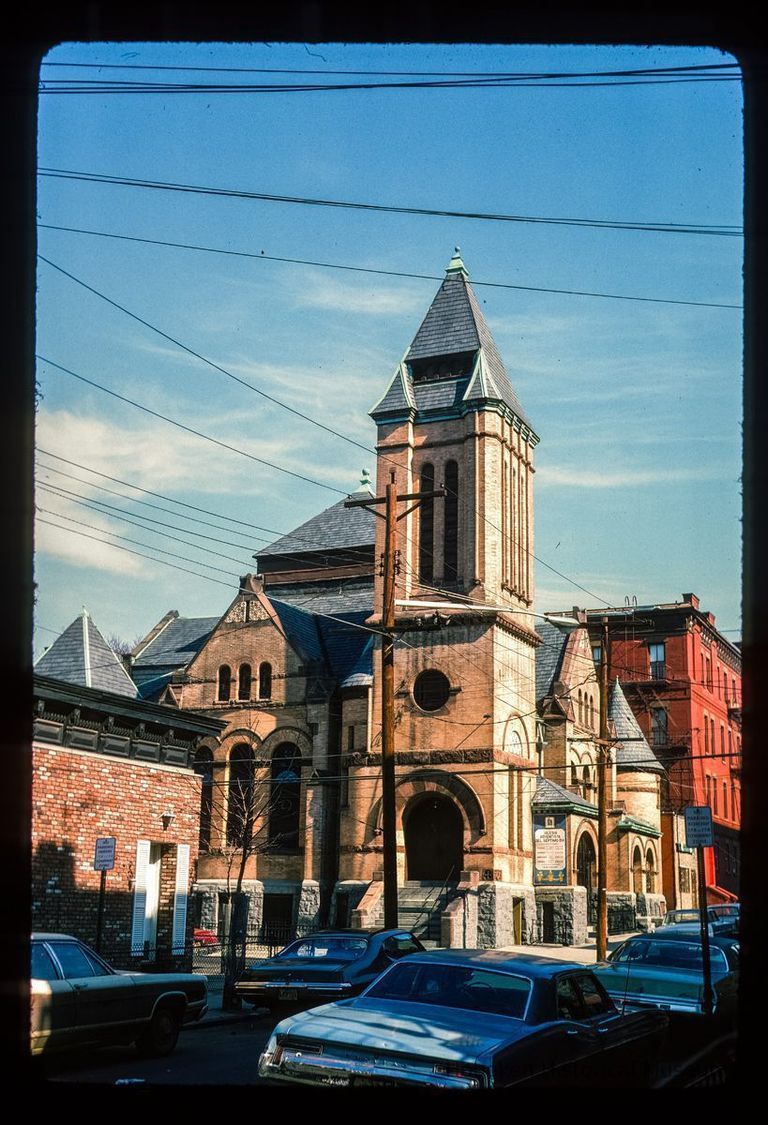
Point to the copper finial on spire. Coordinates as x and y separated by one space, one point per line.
456 267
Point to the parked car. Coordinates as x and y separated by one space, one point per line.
469 1019
327 965
665 970
78 1000
204 937
721 919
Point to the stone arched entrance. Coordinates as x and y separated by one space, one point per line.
434 838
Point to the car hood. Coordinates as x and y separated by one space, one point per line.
451 1034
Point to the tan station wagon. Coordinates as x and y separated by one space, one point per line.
78 1000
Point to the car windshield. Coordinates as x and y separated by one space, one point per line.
672 917
668 954
335 948
455 986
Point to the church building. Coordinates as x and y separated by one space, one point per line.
293 667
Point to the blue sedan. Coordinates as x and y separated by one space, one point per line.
327 965
469 1019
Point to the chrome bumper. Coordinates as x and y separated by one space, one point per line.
292 986
326 1070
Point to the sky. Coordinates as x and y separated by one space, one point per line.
637 403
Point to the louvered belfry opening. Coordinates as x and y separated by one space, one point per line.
427 526
451 529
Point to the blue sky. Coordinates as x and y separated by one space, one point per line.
637 404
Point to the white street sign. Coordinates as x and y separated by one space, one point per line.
104 856
698 826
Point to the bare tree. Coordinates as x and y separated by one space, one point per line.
242 807
120 646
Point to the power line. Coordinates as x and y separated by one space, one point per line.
277 402
190 430
73 497
328 616
149 546
599 224
312 544
202 358
389 273
119 547
663 70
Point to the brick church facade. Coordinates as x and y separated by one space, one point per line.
293 668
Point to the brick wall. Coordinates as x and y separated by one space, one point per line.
79 796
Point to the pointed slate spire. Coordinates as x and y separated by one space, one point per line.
633 751
453 364
80 655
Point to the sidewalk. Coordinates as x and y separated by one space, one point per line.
585 954
216 1014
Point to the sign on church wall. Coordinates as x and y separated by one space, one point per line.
550 855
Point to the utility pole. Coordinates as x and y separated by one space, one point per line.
602 801
390 567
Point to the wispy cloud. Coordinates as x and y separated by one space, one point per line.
320 291
623 478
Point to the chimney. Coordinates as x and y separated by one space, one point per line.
694 601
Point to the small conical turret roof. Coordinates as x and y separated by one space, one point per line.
633 751
80 655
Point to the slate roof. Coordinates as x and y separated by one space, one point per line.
301 629
80 655
335 528
337 596
549 793
349 649
454 325
632 751
174 647
549 655
181 639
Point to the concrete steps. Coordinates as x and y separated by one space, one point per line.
420 904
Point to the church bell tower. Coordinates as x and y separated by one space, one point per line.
465 655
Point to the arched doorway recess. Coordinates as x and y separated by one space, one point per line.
586 873
586 863
434 838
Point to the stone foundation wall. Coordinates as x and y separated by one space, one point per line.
353 889
459 921
569 915
496 912
651 909
308 913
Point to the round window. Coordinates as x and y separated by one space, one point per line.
431 690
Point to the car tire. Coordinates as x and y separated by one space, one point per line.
161 1036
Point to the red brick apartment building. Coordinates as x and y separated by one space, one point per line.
682 679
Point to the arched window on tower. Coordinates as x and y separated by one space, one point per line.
587 784
650 872
203 767
427 526
225 683
265 681
284 798
240 796
244 682
451 529
581 709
